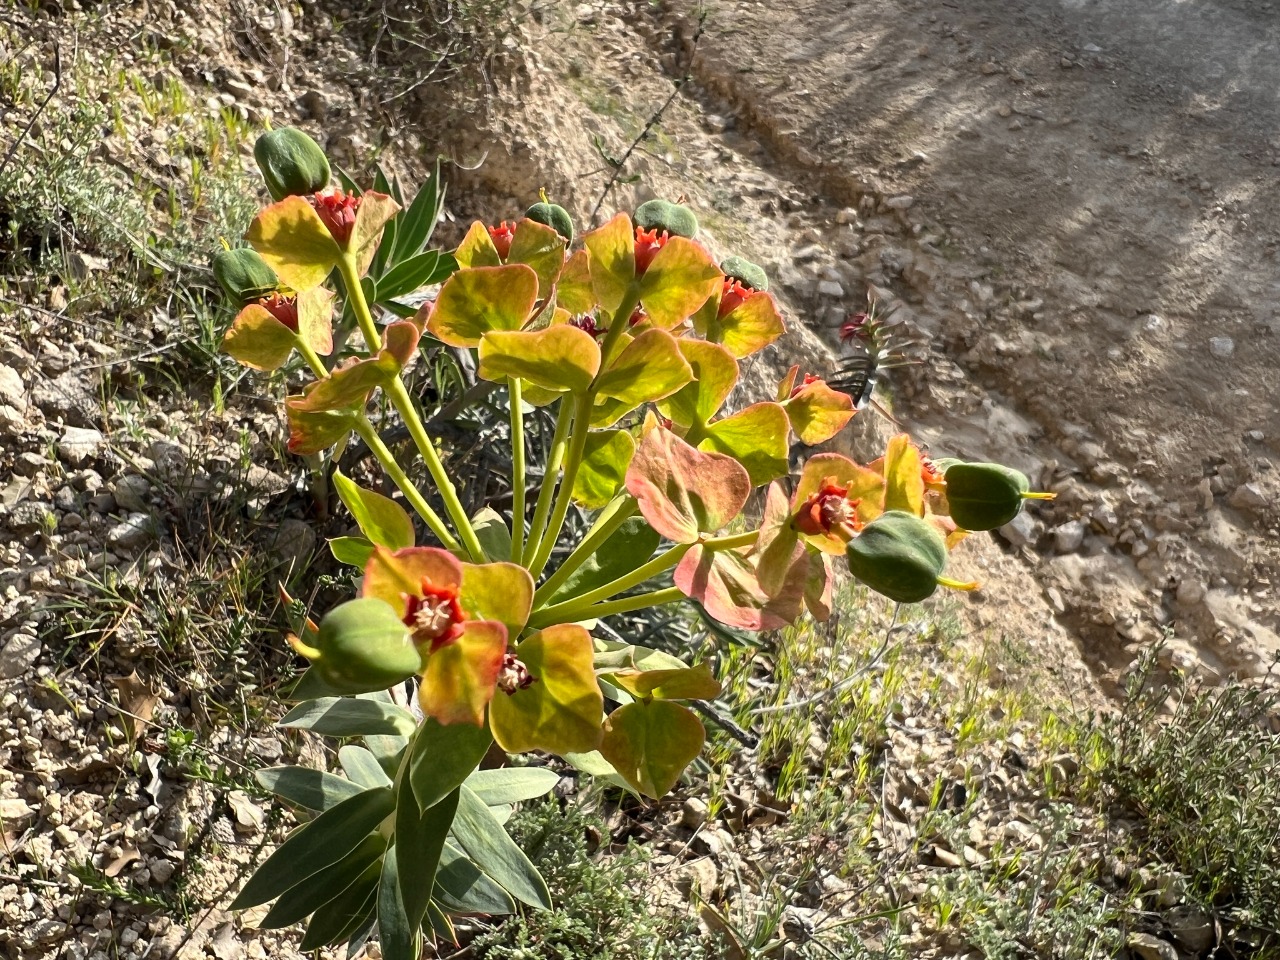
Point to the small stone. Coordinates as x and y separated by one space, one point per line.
248 816
989 68
79 444
13 391
693 814
162 870
131 492
65 835
1248 496
1023 530
831 288
1222 347
902 202
1190 592
714 123
67 398
1256 436
29 464
29 517
1068 537
1149 947
1191 927
847 215
811 252
294 542
132 533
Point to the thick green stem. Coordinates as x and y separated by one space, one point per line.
517 468
618 512
410 490
546 494
564 495
628 604
403 403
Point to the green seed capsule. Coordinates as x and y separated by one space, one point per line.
554 216
291 162
244 275
744 271
898 555
363 646
984 496
677 220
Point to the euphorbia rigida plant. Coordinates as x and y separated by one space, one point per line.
633 337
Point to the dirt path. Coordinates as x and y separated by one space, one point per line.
1073 202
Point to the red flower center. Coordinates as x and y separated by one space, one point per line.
337 210
588 323
808 379
284 309
514 675
435 617
648 243
501 235
829 511
731 296
930 473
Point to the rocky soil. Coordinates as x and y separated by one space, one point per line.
1071 218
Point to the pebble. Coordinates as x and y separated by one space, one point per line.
132 533
1069 536
1222 347
1023 530
79 444
831 288
131 493
1190 592
1149 947
693 813
902 202
13 391
1248 496
19 654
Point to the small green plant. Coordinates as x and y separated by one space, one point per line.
634 339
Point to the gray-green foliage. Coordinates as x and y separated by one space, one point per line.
602 909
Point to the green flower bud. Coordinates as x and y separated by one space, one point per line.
291 162
363 646
984 496
675 219
745 272
898 555
244 275
554 216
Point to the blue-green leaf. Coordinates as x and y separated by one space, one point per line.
421 835
397 936
305 787
341 917
461 887
362 766
486 842
442 758
349 717
512 784
311 894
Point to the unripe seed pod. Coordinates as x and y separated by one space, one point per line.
244 276
554 216
898 555
984 496
363 646
746 272
291 162
677 220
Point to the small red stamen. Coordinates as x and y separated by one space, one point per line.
337 209
436 617
931 475
731 296
501 235
808 379
588 323
855 326
284 309
648 243
638 316
829 511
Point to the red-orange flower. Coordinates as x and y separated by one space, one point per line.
587 323
337 209
284 309
501 235
808 379
648 243
732 295
931 475
829 511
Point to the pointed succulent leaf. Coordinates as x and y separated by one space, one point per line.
362 767
540 247
443 757
557 358
560 711
382 520
512 784
818 413
397 934
324 841
459 680
344 914
650 744
299 902
497 591
475 301
415 226
680 279
714 374
494 852
462 887
295 243
420 838
613 261
349 717
415 273
307 787
604 467
756 437
684 492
